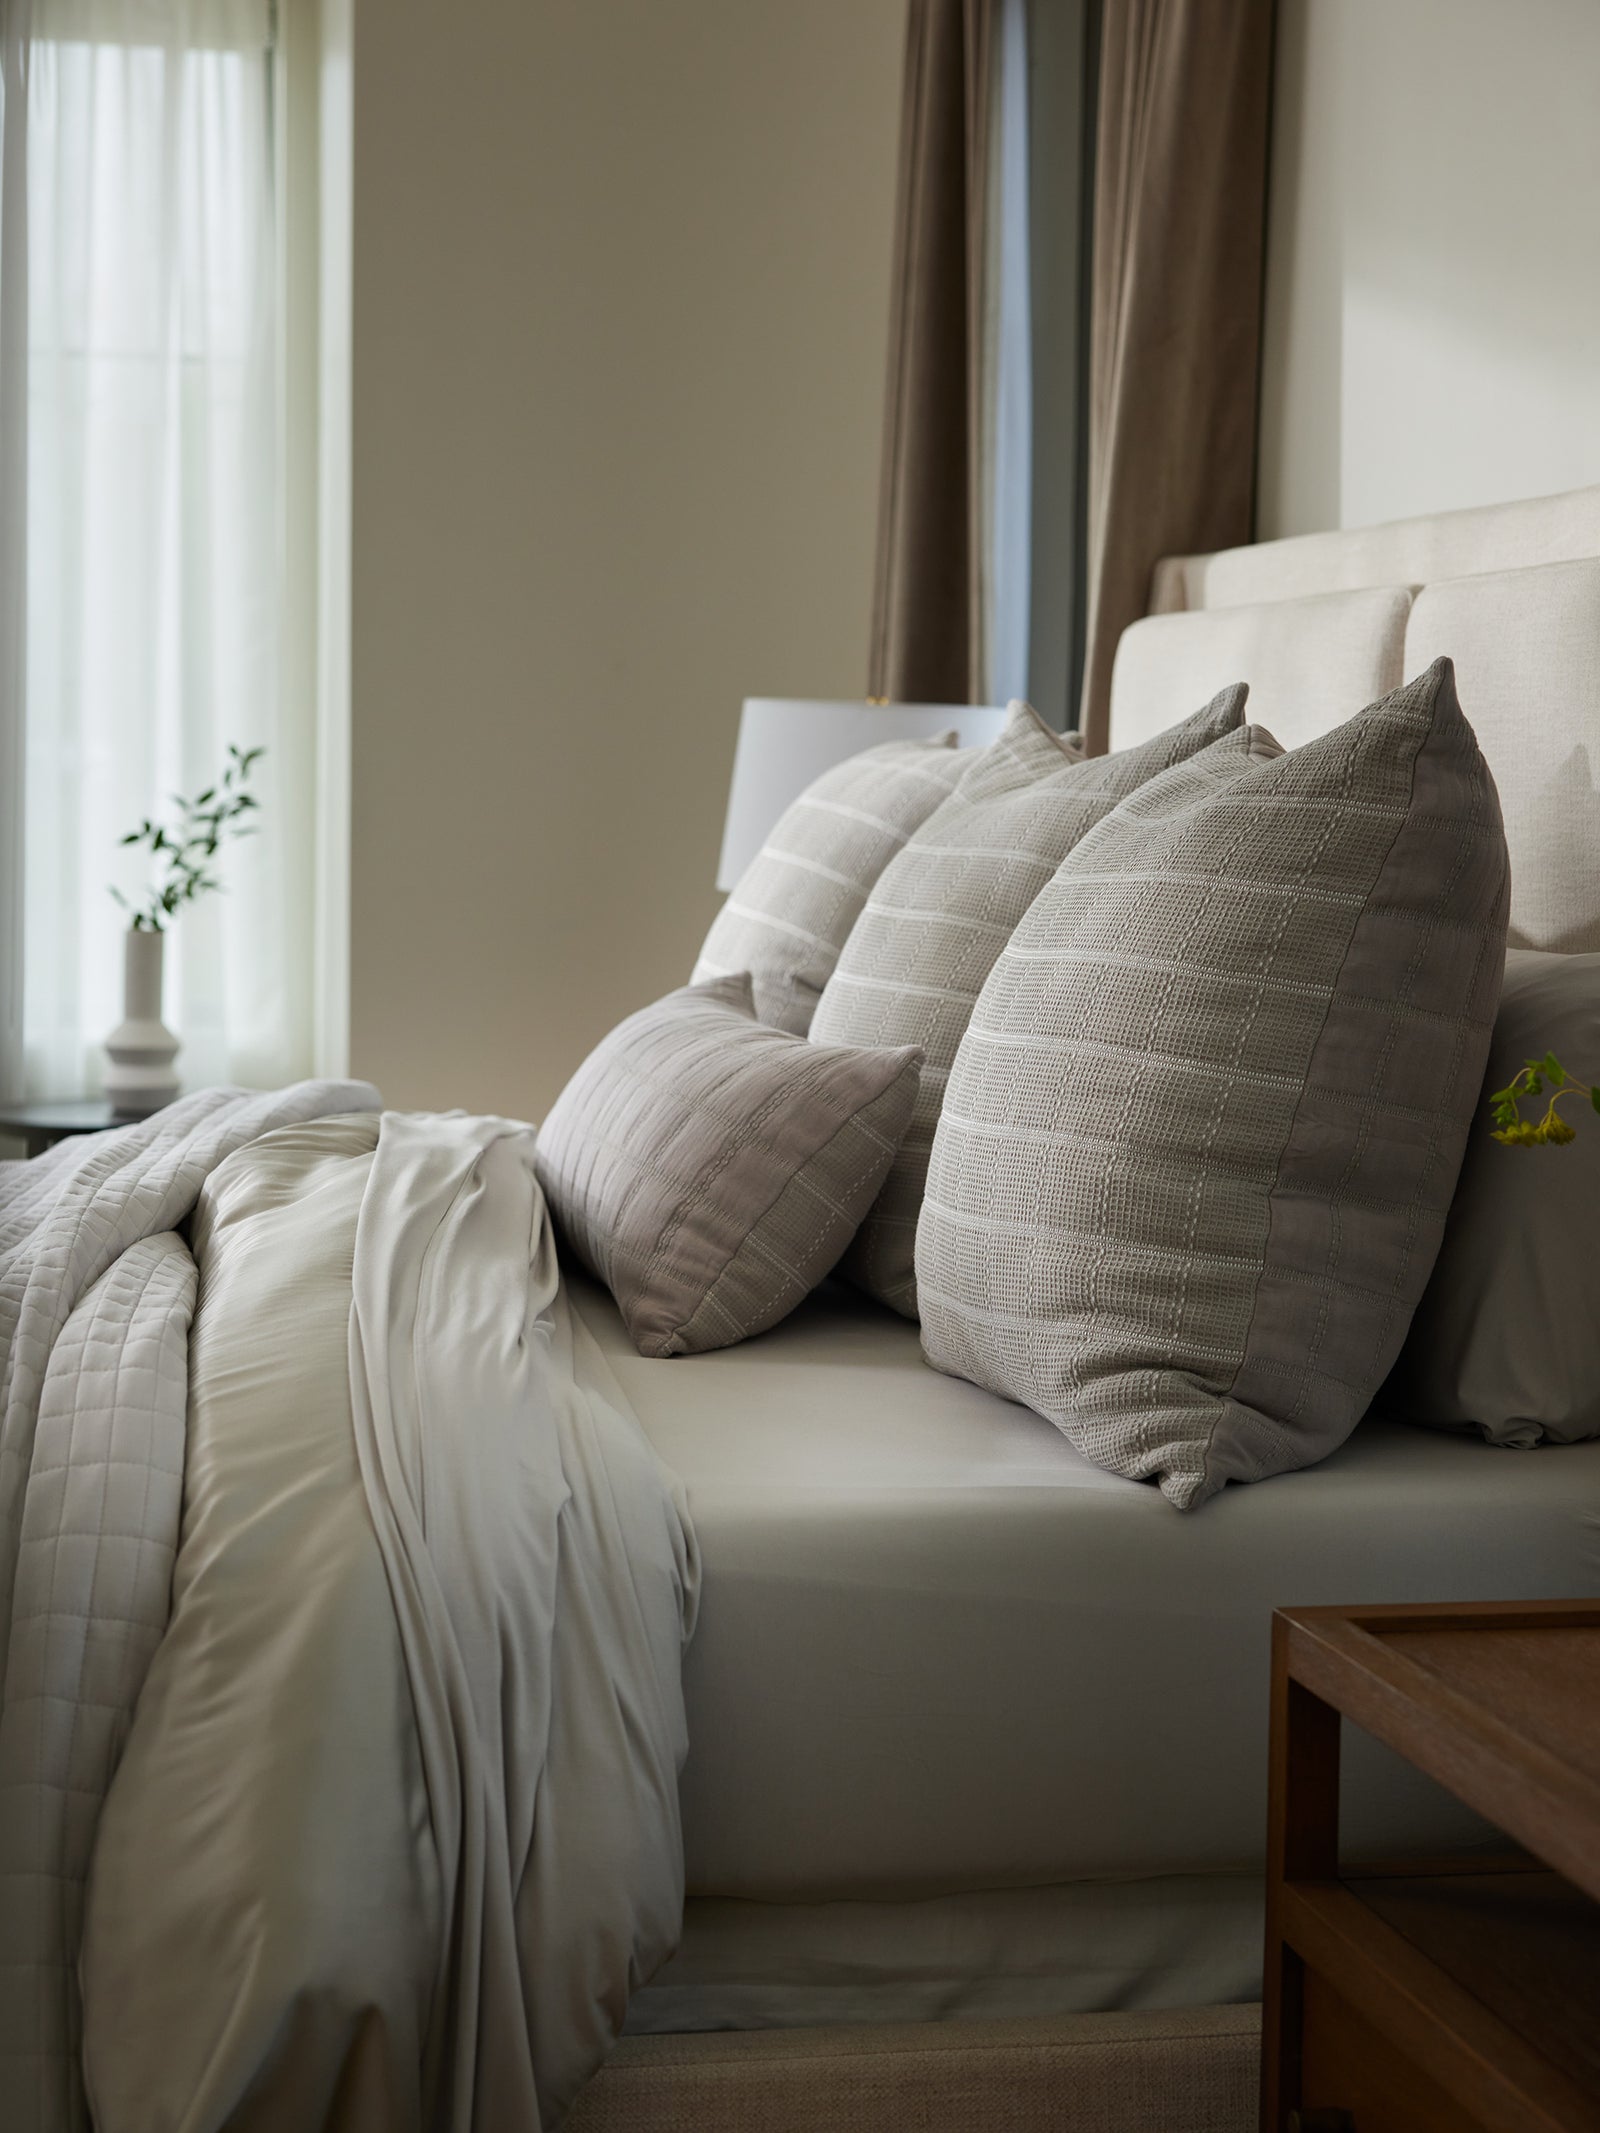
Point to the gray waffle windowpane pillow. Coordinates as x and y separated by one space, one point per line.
1204 1128
710 1171
942 911
795 903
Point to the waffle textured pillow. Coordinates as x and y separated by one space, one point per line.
1204 1128
794 905
710 1171
1506 1341
942 911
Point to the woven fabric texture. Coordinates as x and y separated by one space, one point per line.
942 911
1187 2070
792 908
1203 1131
710 1170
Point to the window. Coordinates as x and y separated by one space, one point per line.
154 544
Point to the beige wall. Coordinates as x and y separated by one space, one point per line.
1433 279
620 313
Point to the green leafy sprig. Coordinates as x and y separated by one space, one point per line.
184 850
1538 1076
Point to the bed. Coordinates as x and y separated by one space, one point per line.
985 1736
977 1727
975 1730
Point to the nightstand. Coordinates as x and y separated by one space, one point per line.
40 1126
1439 1997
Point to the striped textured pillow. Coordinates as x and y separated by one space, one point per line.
795 903
943 910
1204 1128
710 1171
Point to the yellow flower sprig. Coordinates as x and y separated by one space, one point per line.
1551 1131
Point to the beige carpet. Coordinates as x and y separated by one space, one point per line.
1190 2071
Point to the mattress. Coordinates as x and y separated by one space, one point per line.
1170 1940
940 1652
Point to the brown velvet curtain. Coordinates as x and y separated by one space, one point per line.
1175 306
927 624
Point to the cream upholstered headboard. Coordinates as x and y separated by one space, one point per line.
1322 624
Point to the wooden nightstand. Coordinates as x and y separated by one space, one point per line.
1429 1998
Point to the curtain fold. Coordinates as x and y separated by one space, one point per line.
14 35
154 529
927 628
1175 320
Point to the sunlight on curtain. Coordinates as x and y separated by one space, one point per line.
154 528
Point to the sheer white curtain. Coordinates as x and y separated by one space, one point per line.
154 528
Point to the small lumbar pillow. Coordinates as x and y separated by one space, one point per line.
1204 1128
941 912
710 1171
795 903
1506 1339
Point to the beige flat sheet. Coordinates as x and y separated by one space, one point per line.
940 1652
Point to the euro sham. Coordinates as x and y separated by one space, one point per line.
1203 1131
792 909
943 909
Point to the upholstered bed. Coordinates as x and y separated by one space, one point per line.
945 1662
975 1728
975 1732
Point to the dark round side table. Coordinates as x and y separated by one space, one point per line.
39 1126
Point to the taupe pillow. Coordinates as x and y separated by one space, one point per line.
942 911
1205 1125
795 903
1506 1339
710 1171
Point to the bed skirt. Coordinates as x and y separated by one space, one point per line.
1189 2070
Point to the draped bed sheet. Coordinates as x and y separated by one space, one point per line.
381 1828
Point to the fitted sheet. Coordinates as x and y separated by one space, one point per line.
938 1651
1083 1947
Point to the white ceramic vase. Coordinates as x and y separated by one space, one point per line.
140 1051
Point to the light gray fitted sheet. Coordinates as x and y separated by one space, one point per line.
1085 1947
939 1651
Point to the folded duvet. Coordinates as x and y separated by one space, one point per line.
393 1829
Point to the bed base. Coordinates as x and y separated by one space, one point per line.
1188 2070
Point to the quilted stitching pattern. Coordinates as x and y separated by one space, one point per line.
96 1295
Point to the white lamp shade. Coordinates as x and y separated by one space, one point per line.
785 742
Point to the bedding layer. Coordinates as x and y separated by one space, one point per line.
96 1294
396 1828
1173 1940
345 1606
940 1651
